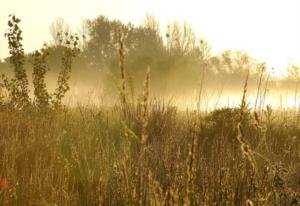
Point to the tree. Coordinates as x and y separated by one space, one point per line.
58 30
181 38
103 38
152 23
84 35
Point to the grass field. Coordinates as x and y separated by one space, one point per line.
141 152
95 156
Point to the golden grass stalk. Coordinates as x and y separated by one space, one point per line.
245 148
259 85
145 107
122 66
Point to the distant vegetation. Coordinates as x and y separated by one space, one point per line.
140 151
178 58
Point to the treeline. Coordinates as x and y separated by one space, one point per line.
179 59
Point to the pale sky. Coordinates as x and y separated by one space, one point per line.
267 29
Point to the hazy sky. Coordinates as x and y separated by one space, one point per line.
267 29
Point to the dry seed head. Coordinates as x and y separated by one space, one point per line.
245 148
145 107
122 65
243 103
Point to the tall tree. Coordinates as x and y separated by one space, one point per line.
58 30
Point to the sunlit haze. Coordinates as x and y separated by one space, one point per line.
268 30
150 102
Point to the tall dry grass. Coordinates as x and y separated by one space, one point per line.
93 156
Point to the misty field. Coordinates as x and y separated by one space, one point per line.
138 151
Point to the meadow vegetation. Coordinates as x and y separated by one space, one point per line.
139 151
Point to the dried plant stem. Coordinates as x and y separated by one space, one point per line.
122 66
145 107
259 85
245 148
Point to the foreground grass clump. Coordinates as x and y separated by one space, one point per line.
95 156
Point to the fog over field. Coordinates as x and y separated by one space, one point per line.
175 43
154 103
